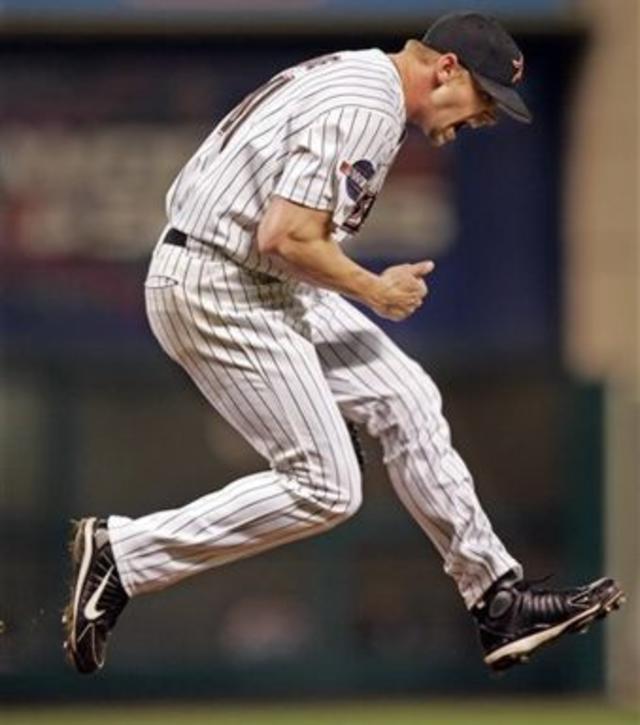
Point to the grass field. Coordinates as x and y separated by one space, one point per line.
423 713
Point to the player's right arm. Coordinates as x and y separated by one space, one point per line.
331 167
298 239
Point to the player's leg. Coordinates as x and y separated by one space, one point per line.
245 356
266 380
377 385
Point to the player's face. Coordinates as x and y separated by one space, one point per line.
457 102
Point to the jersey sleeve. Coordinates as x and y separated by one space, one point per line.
340 157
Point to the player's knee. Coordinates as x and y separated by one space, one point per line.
343 496
334 492
349 483
351 500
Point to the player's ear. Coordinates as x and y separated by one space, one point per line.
447 67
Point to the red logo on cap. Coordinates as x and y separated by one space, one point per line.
518 64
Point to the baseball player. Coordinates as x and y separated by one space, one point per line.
247 291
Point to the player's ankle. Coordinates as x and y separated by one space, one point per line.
505 581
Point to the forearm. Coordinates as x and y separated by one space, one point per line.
298 241
322 262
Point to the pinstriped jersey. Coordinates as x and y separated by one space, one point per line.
322 134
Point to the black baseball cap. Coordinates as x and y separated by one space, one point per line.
488 52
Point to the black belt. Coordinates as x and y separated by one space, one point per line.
175 237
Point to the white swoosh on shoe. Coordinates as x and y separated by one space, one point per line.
91 611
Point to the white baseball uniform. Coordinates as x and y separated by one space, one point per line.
284 362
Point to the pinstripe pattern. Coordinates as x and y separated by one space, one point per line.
284 362
350 108
377 385
281 404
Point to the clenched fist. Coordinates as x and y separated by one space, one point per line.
401 289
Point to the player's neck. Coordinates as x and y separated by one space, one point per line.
404 64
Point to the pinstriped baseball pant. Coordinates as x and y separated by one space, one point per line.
284 368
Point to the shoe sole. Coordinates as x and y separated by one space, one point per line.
81 554
518 652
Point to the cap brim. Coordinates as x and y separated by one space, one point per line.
507 98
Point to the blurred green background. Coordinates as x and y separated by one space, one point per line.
437 713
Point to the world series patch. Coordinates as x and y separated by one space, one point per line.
358 176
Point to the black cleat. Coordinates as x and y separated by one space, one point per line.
97 596
515 619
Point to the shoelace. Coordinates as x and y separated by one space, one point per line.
543 602
532 583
